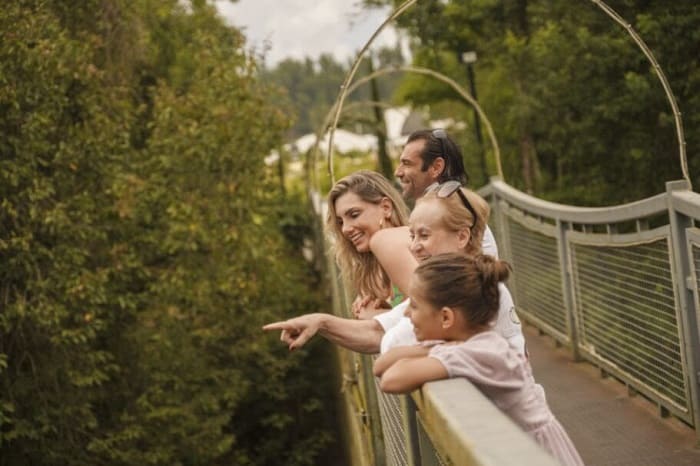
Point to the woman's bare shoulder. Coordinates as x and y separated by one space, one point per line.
389 237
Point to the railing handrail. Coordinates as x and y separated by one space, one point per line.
654 266
454 414
686 202
583 215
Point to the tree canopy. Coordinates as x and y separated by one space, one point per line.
144 244
580 115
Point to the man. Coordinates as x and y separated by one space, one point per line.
428 158
431 157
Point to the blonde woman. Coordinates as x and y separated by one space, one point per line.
359 206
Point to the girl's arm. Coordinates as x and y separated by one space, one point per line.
386 360
390 247
407 375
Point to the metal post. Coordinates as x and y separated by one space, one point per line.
469 58
413 451
567 287
498 213
688 315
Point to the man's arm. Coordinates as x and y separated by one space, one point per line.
363 336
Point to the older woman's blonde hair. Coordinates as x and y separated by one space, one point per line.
362 270
457 217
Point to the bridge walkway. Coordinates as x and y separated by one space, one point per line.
608 426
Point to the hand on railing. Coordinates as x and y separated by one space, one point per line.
364 307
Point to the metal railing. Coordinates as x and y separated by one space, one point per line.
617 285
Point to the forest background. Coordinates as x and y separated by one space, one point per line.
144 241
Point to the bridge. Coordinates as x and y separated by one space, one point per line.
609 298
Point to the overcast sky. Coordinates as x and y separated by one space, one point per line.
306 28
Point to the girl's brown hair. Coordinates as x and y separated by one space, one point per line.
362 270
469 284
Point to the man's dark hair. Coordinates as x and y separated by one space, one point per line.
444 147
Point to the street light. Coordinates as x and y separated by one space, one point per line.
469 58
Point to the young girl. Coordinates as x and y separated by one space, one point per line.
454 300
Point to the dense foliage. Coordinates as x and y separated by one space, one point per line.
311 87
143 244
579 113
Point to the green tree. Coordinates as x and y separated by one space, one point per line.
577 109
144 243
311 87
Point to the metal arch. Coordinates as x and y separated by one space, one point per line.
312 156
447 80
344 87
418 70
602 5
662 77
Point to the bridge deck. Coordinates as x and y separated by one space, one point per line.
607 426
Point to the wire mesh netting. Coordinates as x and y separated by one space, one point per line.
430 456
537 276
393 428
626 311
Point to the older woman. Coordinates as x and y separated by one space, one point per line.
448 219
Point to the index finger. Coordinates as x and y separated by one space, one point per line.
281 325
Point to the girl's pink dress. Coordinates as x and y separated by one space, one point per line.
506 378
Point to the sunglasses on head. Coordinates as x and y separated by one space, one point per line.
441 136
448 188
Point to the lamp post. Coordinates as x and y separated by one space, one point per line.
469 58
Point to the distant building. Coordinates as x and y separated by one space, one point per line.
400 122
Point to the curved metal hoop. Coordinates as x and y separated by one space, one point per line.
337 107
662 77
424 71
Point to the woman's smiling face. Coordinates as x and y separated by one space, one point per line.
359 220
429 235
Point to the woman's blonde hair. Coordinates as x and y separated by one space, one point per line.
362 269
458 217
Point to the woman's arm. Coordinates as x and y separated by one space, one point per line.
386 360
390 247
363 336
407 375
